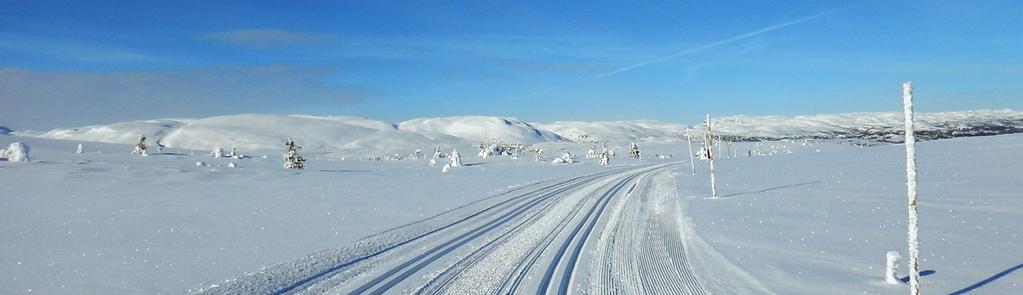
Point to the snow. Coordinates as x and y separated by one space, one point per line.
365 137
812 221
16 152
616 131
217 152
480 129
876 127
891 267
259 132
118 224
5 130
819 216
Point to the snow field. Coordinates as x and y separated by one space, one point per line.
814 221
798 218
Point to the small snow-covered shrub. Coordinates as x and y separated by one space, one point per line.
80 149
16 152
292 160
605 158
217 152
140 146
456 159
232 165
566 158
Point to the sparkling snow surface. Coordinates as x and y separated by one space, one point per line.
818 219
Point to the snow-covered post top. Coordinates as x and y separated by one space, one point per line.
914 250
891 267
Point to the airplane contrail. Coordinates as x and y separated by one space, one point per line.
716 43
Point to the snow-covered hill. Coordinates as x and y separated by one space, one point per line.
870 127
480 128
328 134
616 131
360 136
261 132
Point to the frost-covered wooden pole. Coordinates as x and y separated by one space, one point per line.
708 145
692 162
914 250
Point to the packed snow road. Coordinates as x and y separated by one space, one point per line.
611 232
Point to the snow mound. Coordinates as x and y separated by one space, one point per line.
616 131
260 132
480 129
5 130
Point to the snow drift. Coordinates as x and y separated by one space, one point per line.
5 130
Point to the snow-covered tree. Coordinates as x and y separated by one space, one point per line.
633 150
436 153
456 159
80 149
292 160
566 158
537 153
914 244
159 147
605 157
140 146
217 152
591 153
16 152
485 151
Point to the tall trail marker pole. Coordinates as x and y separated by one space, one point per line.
692 162
910 142
708 142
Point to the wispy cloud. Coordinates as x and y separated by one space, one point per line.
717 43
263 38
45 99
72 51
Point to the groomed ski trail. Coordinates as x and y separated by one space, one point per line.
612 232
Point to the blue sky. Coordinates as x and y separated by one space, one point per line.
89 62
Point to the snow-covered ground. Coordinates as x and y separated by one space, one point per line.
811 217
814 221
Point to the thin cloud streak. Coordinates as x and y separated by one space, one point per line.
263 38
718 43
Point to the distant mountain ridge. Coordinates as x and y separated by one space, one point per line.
366 136
870 127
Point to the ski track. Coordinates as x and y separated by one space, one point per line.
612 232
